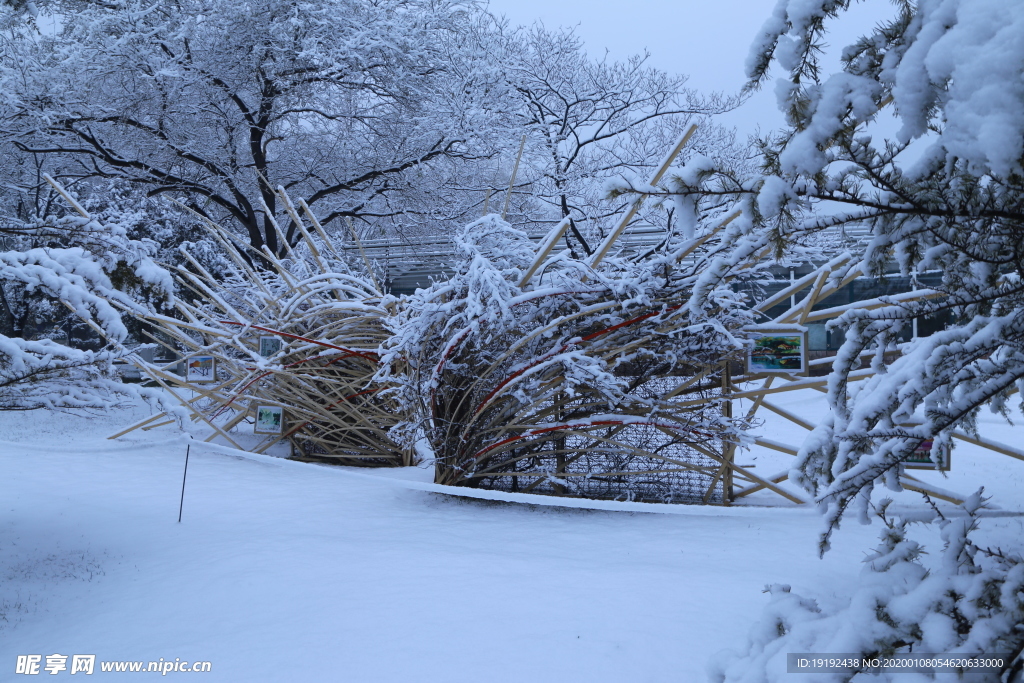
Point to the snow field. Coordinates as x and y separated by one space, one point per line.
284 571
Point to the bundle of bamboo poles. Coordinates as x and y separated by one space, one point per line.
598 384
526 419
289 343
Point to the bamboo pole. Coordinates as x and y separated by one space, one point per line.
800 284
286 200
67 197
544 249
606 246
366 261
319 228
795 419
512 179
699 242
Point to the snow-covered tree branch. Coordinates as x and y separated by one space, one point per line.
216 103
96 275
589 120
944 193
967 604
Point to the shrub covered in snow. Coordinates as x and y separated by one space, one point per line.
970 603
576 381
95 271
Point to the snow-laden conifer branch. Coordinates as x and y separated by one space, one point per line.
968 603
942 195
97 275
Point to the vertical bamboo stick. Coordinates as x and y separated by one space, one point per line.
512 180
366 261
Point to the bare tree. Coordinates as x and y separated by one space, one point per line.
216 103
590 120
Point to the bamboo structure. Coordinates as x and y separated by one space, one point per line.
293 337
671 435
809 292
605 383
580 392
518 423
587 395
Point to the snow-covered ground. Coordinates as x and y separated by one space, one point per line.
286 571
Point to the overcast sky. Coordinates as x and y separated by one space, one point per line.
706 39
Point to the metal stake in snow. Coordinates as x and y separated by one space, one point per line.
182 503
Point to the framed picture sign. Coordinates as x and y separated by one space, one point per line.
923 457
269 346
269 420
201 369
778 351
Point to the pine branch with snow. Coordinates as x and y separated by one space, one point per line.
944 194
968 603
97 275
